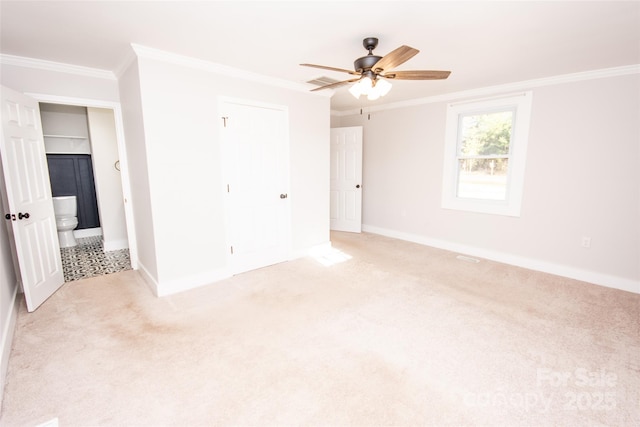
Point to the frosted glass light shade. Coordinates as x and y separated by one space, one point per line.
383 86
373 89
356 90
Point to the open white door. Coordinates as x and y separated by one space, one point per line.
28 204
346 179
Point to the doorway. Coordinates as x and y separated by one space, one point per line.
69 152
346 179
89 134
26 193
82 156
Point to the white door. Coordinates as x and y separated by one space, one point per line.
28 204
346 179
255 158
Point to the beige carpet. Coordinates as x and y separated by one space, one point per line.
399 334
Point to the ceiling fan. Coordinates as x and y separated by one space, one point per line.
372 71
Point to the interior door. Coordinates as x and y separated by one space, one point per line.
255 156
27 195
346 179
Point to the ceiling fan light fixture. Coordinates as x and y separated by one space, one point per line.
373 95
373 89
383 86
356 90
361 87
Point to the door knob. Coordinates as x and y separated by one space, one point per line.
283 196
358 186
7 216
23 215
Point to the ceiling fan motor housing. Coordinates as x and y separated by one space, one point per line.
367 62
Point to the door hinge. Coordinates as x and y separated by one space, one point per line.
224 121
231 250
227 188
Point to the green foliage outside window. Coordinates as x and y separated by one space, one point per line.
485 142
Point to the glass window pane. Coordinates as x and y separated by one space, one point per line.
486 134
482 179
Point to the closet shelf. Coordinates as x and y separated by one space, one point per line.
66 136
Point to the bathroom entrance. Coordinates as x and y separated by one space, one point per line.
82 157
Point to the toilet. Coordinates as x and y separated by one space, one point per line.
65 208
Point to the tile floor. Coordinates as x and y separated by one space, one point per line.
88 259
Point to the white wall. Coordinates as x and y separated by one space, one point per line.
181 134
45 81
104 146
131 103
68 120
582 179
8 292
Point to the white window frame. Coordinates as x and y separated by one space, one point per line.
521 104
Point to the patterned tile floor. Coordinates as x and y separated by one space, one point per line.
88 259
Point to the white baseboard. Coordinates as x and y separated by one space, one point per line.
171 287
87 232
115 245
7 339
606 280
148 278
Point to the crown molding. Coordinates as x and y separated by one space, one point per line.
509 87
41 64
126 62
225 70
155 54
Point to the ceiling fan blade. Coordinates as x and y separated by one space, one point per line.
417 75
395 58
332 85
324 67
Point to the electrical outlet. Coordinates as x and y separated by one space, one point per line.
586 242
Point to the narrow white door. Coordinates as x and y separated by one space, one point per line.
255 156
346 179
28 204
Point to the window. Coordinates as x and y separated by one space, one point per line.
485 153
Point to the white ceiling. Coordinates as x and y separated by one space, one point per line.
483 43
